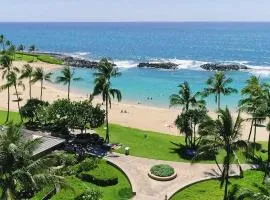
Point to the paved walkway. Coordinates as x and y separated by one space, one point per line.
148 189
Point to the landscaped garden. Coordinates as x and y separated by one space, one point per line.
167 147
211 190
82 177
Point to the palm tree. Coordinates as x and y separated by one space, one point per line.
187 123
12 80
67 77
28 72
262 192
223 134
40 75
106 71
20 47
255 99
12 51
217 85
32 48
6 67
21 175
2 41
185 98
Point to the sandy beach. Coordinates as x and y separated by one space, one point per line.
137 116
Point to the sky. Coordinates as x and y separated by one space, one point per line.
133 10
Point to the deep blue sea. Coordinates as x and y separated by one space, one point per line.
188 44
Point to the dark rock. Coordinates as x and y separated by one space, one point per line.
223 67
167 65
78 62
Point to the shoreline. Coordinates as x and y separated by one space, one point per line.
141 116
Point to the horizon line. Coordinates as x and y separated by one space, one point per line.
232 21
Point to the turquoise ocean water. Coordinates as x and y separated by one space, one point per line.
188 44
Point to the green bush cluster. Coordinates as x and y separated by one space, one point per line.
88 164
90 195
162 170
101 175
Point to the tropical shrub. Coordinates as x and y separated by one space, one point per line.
30 109
162 170
90 195
88 164
101 175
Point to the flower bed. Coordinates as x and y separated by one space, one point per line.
162 172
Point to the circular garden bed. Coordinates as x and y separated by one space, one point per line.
162 172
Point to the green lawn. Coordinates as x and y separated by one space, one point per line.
210 190
14 116
37 57
76 186
154 145
147 144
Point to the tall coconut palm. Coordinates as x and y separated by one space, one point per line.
12 51
40 75
66 78
32 48
217 85
21 175
254 102
223 134
12 80
2 41
20 47
28 72
185 98
103 87
6 67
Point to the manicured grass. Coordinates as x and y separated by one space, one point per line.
77 186
49 59
210 190
146 144
154 145
28 57
13 117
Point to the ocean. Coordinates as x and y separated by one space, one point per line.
187 44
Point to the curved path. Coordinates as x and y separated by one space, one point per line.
148 189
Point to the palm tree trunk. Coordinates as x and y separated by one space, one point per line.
268 160
254 137
18 102
107 140
227 165
226 186
250 131
7 118
41 88
68 89
218 101
30 88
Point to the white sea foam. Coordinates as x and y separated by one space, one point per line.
263 71
126 63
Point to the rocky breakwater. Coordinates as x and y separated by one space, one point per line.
78 62
223 67
166 65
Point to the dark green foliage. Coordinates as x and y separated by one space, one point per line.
83 114
30 109
88 164
101 175
90 195
162 170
